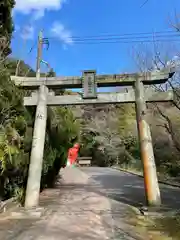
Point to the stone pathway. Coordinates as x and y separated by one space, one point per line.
74 211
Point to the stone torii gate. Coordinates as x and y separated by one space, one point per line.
89 81
43 96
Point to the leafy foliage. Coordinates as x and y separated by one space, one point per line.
12 113
16 122
62 131
100 137
109 135
7 27
16 129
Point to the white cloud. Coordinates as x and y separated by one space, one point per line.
27 32
38 14
59 31
37 6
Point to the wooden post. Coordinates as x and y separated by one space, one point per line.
147 155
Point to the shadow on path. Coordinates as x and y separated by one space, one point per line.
129 189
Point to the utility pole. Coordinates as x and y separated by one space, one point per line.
37 150
39 55
147 155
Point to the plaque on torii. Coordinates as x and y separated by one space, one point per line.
89 85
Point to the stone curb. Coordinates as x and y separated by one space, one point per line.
8 204
34 213
139 175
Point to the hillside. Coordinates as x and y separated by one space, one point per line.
109 134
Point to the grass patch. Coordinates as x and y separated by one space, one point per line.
132 169
155 228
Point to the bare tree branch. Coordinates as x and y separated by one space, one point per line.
169 127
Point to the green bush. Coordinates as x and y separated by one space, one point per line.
16 130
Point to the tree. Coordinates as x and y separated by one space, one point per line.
164 117
16 129
6 25
99 134
62 132
51 73
23 69
16 122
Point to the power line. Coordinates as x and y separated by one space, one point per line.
165 36
32 48
125 42
124 38
144 3
151 34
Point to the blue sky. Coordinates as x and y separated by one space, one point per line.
63 19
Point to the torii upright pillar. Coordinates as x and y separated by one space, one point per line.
36 159
37 150
146 148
